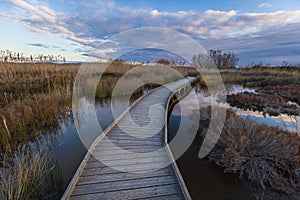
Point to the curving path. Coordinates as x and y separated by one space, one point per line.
134 157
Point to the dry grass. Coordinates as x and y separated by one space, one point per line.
261 76
24 120
18 81
267 156
29 175
34 95
270 103
288 92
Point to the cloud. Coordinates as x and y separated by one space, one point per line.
92 22
260 20
40 18
273 45
39 45
265 5
41 13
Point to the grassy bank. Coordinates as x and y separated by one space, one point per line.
259 76
23 120
270 103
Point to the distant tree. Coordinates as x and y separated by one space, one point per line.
226 59
119 61
215 57
163 62
9 56
41 57
202 60
285 64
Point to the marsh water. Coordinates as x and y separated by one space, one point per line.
204 179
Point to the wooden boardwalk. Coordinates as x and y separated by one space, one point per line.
131 159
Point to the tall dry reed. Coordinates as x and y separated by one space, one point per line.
29 175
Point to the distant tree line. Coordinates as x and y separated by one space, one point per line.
171 62
220 59
226 59
9 56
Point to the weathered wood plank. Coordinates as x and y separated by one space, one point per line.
123 156
142 168
134 149
155 192
178 196
123 185
120 137
123 176
132 142
126 162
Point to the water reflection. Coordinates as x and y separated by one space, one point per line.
284 121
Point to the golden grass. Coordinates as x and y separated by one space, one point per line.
261 76
24 120
33 96
29 175
18 81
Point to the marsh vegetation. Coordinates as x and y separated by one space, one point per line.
34 97
266 156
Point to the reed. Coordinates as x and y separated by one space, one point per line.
19 81
33 96
22 121
30 175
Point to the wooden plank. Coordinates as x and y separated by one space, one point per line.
132 142
121 145
178 196
126 162
118 137
155 192
123 185
143 168
123 176
136 149
118 156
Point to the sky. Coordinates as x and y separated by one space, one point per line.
258 31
